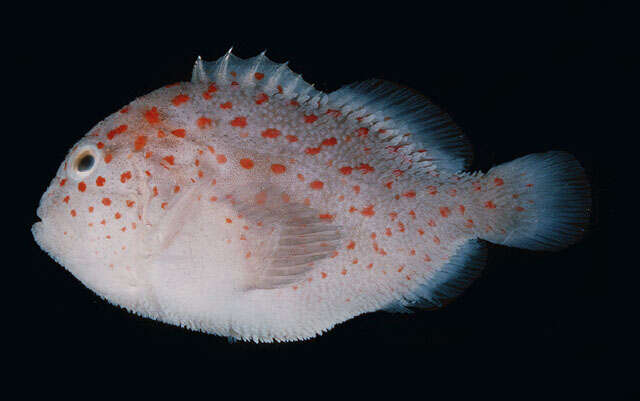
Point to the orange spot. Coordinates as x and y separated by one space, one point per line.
261 98
312 151
344 272
246 163
107 158
228 220
117 131
239 122
180 99
420 231
519 209
323 274
130 203
317 185
325 216
125 176
212 88
292 138
368 211
90 209
285 198
365 168
393 216
169 159
73 212
155 191
432 190
362 131
310 119
388 184
100 145
63 181
106 201
356 189
300 177
163 205
412 214
453 192
489 205
346 170
206 95
498 181
427 258
387 232
271 133
461 208
445 212
410 194
124 110
330 142
468 223
82 186
176 189
431 223
139 142
180 133
258 75
117 215
352 209
226 105
436 240
351 245
66 199
278 168
161 134
152 116
213 198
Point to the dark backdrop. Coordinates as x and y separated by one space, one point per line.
517 79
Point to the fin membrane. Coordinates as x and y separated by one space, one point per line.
406 111
448 282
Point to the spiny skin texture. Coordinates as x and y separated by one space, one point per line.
222 206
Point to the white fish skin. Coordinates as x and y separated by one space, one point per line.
247 204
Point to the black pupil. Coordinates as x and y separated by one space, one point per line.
85 163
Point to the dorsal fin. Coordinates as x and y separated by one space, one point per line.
390 106
449 281
256 71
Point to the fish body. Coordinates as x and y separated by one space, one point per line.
247 204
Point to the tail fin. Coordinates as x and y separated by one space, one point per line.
540 201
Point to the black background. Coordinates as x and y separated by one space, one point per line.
518 79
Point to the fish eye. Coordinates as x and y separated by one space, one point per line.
84 161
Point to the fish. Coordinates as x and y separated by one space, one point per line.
247 204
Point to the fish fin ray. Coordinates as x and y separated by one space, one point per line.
448 281
394 107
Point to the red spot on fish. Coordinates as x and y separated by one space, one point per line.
261 98
66 199
180 99
107 158
258 75
388 184
351 245
498 181
152 116
176 189
130 203
461 208
246 163
410 194
106 201
436 240
180 133
73 213
387 232
330 142
212 88
226 105
365 168
431 223
239 122
312 151
221 159
323 274
468 223
346 170
356 189
270 133
117 215
427 258
90 209
432 190
203 122
310 118
420 231
278 168
124 110
317 185
82 186
292 138
169 159
489 205
139 143
519 209
228 220
116 131
100 145
326 216
362 131
445 212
